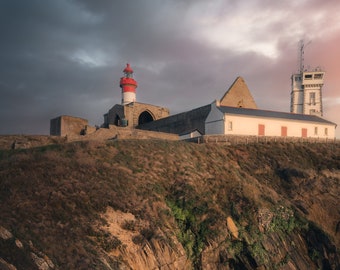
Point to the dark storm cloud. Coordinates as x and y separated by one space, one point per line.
38 79
67 56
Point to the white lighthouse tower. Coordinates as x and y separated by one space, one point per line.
128 85
306 94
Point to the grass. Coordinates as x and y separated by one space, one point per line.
55 196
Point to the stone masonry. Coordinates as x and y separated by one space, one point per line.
238 95
67 126
134 113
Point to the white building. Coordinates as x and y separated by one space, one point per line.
254 122
236 113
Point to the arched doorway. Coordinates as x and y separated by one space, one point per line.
117 120
145 117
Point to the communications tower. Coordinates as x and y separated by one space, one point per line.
306 94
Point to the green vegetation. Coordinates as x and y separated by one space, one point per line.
193 233
283 220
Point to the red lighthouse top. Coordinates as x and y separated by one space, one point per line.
128 69
127 83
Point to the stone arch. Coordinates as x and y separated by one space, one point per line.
145 117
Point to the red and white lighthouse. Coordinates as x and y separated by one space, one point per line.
128 85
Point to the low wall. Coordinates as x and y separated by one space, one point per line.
121 133
238 139
28 141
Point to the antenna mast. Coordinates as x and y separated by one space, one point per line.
301 55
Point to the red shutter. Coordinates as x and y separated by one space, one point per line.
304 133
284 131
261 130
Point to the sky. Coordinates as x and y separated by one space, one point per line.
66 57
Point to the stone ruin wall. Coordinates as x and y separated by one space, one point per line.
67 126
123 133
75 128
132 113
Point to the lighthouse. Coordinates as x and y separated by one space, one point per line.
128 85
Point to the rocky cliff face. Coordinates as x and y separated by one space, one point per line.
170 205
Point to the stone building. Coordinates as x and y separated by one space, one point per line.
131 113
69 125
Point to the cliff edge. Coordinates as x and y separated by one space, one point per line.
132 204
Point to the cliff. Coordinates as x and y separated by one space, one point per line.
170 205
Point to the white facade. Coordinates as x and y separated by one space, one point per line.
214 124
240 121
306 95
128 97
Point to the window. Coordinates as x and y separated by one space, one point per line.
326 131
315 130
318 76
312 98
297 78
308 77
230 125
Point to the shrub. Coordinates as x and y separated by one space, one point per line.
129 225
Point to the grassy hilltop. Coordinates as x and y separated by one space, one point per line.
135 204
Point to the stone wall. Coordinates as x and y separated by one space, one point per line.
145 134
55 126
132 111
28 141
238 95
67 126
116 112
240 139
123 133
156 112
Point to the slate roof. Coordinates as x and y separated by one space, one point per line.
274 114
181 123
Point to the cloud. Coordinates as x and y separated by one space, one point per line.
66 57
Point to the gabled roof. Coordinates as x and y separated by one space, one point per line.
273 114
238 95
